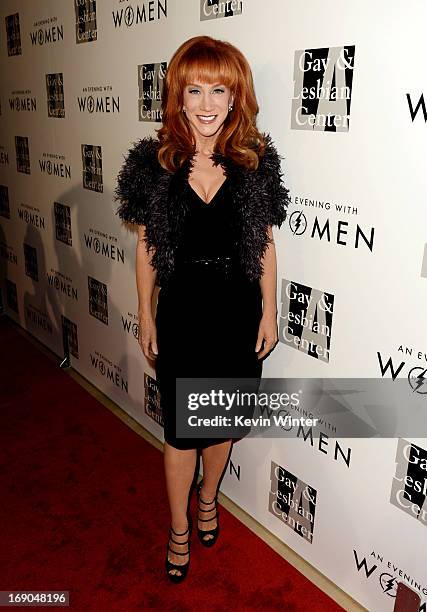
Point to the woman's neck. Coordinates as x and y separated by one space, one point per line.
205 144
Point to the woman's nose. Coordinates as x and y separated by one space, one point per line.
206 102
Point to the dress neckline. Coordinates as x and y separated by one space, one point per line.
204 203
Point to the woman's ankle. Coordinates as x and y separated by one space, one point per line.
207 495
180 526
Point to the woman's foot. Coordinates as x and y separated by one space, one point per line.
178 552
208 525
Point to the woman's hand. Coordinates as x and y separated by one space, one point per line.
147 336
267 332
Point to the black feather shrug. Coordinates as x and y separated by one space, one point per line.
150 195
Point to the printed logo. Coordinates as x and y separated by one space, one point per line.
55 95
62 214
31 216
38 319
323 80
30 258
131 325
8 254
53 164
98 304
387 574
150 86
104 244
292 501
47 31
343 232
409 488
92 167
416 106
152 405
69 337
13 35
20 100
4 202
4 156
215 9
62 283
416 374
112 372
11 295
85 21
22 154
306 319
98 99
151 10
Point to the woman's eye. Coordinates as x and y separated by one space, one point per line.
217 90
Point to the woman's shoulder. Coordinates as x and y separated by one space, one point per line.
269 160
143 153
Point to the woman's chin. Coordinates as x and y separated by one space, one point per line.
206 130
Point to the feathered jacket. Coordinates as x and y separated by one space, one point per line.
150 195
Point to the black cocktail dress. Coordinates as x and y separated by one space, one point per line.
208 313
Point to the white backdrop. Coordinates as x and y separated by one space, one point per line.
68 265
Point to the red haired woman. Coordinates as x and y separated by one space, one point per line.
205 194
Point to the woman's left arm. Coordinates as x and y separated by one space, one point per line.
268 283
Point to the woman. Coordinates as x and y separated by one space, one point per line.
205 195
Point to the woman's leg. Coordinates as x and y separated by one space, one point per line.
179 471
215 458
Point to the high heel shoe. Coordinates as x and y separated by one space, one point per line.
172 566
213 533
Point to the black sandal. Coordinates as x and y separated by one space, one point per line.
172 566
212 532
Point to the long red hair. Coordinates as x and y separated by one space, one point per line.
209 60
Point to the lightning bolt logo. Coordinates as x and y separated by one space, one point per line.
418 381
298 223
388 585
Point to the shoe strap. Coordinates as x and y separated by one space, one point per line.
207 502
210 519
178 553
172 540
179 534
208 510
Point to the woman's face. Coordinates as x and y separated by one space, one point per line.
206 107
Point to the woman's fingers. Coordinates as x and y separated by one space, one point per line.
269 344
153 348
148 339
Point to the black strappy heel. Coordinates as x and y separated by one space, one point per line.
212 532
172 566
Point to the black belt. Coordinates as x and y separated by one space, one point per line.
222 263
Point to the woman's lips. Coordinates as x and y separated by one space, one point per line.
206 119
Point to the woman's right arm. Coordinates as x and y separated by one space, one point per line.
145 283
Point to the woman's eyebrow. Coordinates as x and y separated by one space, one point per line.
196 85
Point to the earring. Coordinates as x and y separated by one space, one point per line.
184 110
230 108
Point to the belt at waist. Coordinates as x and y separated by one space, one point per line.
222 263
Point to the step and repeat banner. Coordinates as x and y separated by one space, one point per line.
341 90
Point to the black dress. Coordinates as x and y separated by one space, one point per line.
207 315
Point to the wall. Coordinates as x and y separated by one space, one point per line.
71 105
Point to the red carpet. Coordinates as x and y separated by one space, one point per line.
84 508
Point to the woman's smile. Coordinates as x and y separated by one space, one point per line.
207 119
